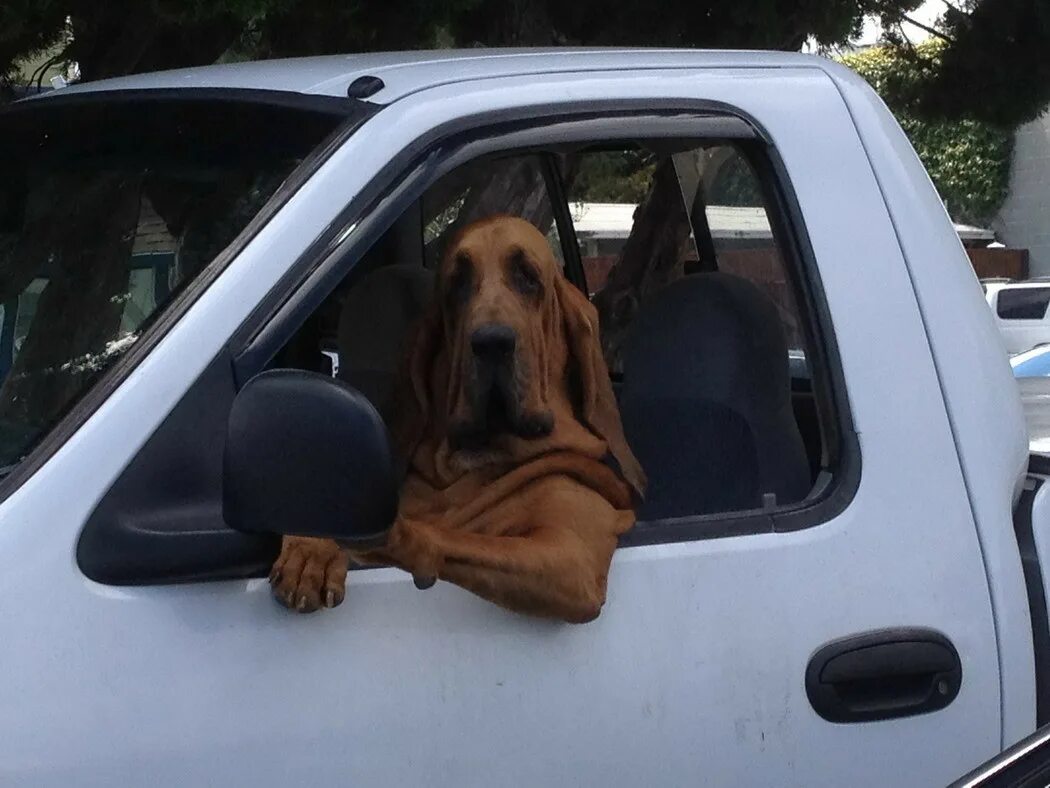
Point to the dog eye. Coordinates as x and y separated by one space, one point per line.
523 275
461 280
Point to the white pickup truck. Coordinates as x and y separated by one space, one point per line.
835 576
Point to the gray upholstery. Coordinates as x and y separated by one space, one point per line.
706 400
374 325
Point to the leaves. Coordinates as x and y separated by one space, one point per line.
996 69
613 176
968 159
993 69
117 38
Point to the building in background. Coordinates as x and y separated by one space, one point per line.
1024 220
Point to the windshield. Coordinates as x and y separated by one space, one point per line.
109 206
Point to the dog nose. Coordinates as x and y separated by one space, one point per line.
493 342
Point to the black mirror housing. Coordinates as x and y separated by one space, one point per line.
307 455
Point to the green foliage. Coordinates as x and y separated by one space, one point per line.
993 69
613 176
321 27
996 68
109 39
758 24
735 184
28 29
625 176
968 159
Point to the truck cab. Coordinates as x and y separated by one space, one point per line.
830 581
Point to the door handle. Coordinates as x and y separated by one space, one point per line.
885 674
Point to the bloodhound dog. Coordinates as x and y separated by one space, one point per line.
519 476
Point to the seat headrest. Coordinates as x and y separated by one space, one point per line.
374 326
719 337
706 400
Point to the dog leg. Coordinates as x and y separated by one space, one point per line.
550 572
309 574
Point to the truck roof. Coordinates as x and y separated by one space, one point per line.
408 72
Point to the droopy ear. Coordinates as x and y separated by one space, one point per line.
418 382
598 409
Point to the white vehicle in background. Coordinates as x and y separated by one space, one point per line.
1032 371
1020 312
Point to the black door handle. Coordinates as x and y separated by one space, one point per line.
884 674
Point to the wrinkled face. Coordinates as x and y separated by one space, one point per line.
504 332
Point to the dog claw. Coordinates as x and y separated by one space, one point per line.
302 603
423 583
329 599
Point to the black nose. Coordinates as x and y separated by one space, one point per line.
493 342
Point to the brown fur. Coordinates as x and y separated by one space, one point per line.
528 522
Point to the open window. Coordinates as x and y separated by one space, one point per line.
359 333
720 409
700 311
711 318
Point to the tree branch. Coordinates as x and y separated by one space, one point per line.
37 76
904 35
931 30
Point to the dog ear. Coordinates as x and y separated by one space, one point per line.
414 398
598 410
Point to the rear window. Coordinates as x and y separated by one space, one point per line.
109 206
1023 303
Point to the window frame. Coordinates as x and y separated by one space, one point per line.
114 549
316 275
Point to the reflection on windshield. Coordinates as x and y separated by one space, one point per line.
99 230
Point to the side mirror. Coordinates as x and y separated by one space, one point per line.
308 455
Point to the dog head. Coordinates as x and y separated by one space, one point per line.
508 355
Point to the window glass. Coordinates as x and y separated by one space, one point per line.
700 326
741 234
717 403
25 311
605 188
701 209
106 210
1023 303
361 330
513 185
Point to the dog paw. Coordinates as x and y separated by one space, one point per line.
309 574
